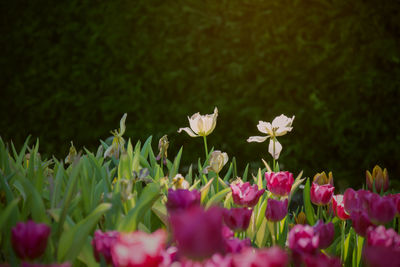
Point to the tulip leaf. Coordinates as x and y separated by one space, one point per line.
229 172
72 240
8 212
245 173
146 200
86 255
309 210
217 197
221 182
266 165
204 190
146 147
175 165
161 211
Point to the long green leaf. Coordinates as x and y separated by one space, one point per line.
217 197
307 204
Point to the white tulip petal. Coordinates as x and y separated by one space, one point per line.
281 121
193 122
278 148
188 131
226 158
258 139
262 126
200 126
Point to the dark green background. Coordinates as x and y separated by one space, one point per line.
70 69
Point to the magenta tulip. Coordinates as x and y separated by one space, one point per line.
320 260
236 245
276 210
227 232
321 194
360 222
139 249
380 236
29 240
198 233
326 233
396 201
375 256
182 199
102 243
302 239
279 183
356 200
338 207
27 264
381 210
244 194
237 219
271 257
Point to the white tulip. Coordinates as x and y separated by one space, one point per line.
201 125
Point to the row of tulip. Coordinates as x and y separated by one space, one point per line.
124 206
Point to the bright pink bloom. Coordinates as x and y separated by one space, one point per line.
227 232
279 183
396 201
380 236
244 194
182 199
276 209
271 257
360 222
169 255
381 210
198 233
236 245
29 240
216 260
321 194
320 260
302 239
237 219
338 207
102 243
356 200
139 249
375 256
326 233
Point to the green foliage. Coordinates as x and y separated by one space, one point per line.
71 68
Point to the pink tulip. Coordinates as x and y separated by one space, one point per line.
29 240
375 256
381 210
360 222
271 257
380 236
326 233
182 199
279 183
216 260
302 239
396 201
237 219
27 264
139 249
236 245
356 200
198 233
102 243
169 255
276 210
244 194
227 232
338 207
321 194
320 260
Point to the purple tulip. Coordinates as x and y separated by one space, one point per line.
320 260
326 233
139 249
27 264
279 183
360 222
29 240
182 199
302 239
244 194
227 232
396 201
236 245
355 200
276 210
198 233
382 237
381 256
321 194
381 210
102 243
237 219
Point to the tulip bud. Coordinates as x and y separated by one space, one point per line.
179 182
321 194
326 233
276 210
71 155
379 178
237 219
139 249
182 199
217 160
244 194
29 240
300 218
279 183
102 243
321 178
163 144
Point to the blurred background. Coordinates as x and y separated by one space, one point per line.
70 69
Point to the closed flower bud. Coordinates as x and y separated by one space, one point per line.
102 243
182 199
237 219
379 178
321 194
279 183
276 210
29 240
326 233
322 178
300 218
217 160
163 144
244 194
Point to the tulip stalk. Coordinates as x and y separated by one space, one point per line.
205 146
342 241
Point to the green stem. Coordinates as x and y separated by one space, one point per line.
342 241
319 212
217 187
273 156
205 145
